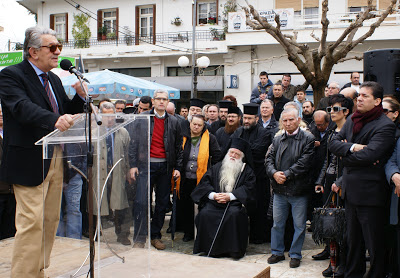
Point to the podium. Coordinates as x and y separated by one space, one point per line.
121 205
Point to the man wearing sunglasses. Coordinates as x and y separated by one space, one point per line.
34 104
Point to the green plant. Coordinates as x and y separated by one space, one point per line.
81 31
218 34
111 35
102 30
177 21
18 46
229 7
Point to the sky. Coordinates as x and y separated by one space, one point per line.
15 19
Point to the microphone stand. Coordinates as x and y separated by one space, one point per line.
89 109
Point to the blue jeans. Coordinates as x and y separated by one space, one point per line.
281 208
70 224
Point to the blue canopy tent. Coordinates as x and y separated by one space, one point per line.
117 85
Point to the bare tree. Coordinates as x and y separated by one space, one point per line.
316 64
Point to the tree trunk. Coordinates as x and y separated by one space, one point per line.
318 91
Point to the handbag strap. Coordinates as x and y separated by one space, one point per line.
327 200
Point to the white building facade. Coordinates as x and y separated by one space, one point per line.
145 39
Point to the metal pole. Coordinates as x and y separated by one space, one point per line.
193 93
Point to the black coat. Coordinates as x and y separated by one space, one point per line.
321 151
28 117
278 106
172 143
259 139
365 182
215 154
215 126
273 124
223 138
300 161
233 235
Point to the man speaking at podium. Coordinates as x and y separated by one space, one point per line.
34 104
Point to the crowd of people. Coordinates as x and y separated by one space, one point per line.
255 174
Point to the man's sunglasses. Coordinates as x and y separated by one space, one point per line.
335 109
53 47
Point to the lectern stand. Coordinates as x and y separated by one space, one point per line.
120 205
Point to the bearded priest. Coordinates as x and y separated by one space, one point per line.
229 183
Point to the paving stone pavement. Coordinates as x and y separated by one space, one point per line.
68 254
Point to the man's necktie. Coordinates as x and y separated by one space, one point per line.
46 86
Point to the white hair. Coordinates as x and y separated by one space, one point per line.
229 172
33 38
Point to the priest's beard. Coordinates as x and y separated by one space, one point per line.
189 117
229 129
230 170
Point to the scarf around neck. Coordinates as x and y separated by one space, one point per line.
361 119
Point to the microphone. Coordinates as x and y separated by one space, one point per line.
67 65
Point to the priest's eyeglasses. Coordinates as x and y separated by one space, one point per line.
335 109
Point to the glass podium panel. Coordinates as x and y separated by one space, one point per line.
118 211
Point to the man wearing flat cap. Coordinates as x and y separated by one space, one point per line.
227 186
232 123
223 113
259 140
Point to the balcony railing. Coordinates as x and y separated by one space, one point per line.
340 20
169 37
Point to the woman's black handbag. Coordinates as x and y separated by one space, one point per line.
328 223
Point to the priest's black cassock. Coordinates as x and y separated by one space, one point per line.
223 138
259 139
216 125
233 235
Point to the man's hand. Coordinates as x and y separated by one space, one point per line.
134 172
335 188
222 198
319 189
64 122
128 178
263 96
176 174
279 177
396 180
78 88
358 147
317 143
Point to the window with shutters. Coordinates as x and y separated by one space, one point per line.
59 23
107 23
207 12
110 20
146 21
59 26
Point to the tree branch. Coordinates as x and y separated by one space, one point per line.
358 58
361 17
350 46
290 46
312 35
278 21
325 24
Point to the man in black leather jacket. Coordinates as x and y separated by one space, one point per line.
165 161
288 166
